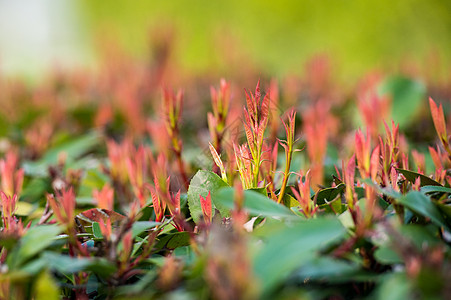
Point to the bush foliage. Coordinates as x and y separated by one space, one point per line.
114 188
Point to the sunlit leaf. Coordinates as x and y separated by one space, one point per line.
46 287
255 203
202 183
96 232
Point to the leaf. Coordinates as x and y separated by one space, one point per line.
8 240
96 230
412 176
64 263
46 288
24 208
394 286
100 214
387 256
36 189
34 267
200 185
287 248
446 211
254 202
335 206
94 179
289 201
261 190
141 226
67 265
407 97
421 236
433 188
346 219
85 201
330 269
35 240
422 205
328 194
173 240
72 149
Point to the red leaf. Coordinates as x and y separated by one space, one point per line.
99 214
439 119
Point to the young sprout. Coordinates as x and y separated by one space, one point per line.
288 146
218 162
302 194
11 175
220 100
249 157
172 112
438 117
104 197
63 207
205 204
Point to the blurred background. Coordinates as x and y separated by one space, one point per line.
225 38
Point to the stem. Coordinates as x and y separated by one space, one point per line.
257 167
286 174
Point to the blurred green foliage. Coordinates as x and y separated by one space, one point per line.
279 36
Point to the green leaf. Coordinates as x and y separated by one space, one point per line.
407 97
328 194
254 202
432 188
141 226
94 179
200 185
67 265
72 149
446 211
289 201
35 240
35 189
46 288
386 255
335 206
422 205
34 266
173 240
96 230
330 269
287 248
421 236
412 177
346 219
24 208
261 190
395 286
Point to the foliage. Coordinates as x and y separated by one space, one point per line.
116 196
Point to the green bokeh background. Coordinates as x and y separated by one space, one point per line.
279 36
